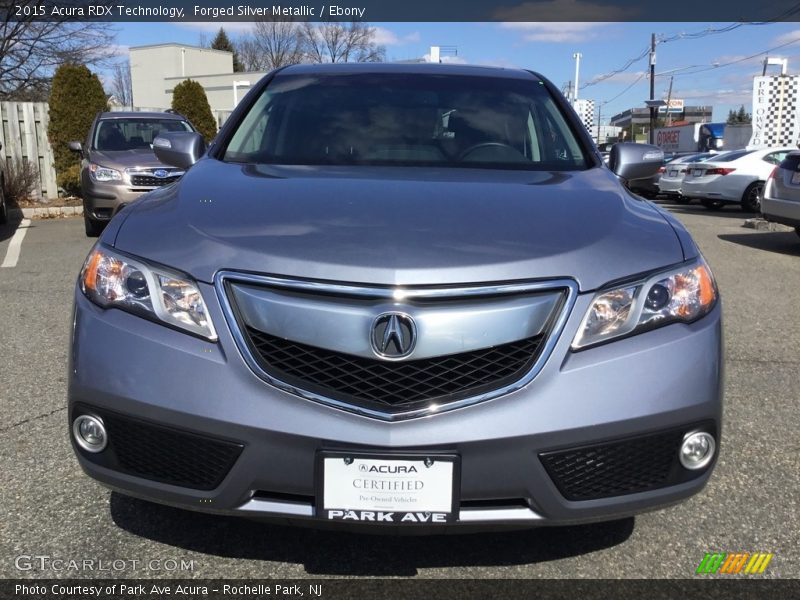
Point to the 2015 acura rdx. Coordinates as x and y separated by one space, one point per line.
398 295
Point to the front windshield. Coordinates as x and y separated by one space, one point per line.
114 135
406 119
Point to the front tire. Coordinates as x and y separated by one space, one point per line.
751 199
681 200
712 204
92 226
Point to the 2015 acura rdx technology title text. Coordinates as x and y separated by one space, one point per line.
398 295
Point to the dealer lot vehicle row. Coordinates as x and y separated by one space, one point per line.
742 508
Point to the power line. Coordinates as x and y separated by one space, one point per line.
739 60
693 35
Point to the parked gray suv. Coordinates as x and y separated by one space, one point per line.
399 296
118 164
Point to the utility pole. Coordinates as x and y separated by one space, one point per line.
652 86
669 99
599 116
577 56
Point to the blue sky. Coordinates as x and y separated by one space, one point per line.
548 48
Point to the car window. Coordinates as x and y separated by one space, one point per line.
420 120
775 158
731 156
132 134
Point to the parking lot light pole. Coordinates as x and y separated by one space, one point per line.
651 133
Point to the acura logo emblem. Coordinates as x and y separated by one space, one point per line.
394 335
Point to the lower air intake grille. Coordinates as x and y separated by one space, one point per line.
396 385
618 468
164 454
149 181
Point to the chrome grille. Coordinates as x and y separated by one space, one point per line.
312 339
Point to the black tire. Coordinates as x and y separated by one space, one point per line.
681 199
751 199
3 207
797 230
93 227
712 204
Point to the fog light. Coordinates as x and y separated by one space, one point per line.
90 433
697 450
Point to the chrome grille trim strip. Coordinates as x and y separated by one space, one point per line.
396 293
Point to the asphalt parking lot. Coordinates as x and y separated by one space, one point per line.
49 508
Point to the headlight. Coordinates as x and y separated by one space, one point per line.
99 173
112 280
683 295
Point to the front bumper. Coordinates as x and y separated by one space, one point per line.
102 200
669 378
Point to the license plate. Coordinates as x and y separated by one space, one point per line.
796 178
673 173
697 172
402 490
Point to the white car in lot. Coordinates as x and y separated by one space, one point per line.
781 201
736 177
672 174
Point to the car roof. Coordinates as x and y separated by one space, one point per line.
132 114
409 69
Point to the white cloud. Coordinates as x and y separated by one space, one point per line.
386 37
555 32
716 96
785 38
626 77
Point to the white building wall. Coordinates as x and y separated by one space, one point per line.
152 65
219 87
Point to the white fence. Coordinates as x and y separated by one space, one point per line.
23 133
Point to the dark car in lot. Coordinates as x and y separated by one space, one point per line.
118 164
399 295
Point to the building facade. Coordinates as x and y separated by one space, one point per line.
157 69
635 122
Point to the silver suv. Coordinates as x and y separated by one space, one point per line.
403 296
118 164
781 201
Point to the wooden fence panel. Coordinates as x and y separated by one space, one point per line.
23 133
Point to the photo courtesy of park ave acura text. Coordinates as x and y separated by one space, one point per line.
336 300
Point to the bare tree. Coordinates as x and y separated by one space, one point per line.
335 41
274 43
121 85
31 49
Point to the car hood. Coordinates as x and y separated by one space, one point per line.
126 159
399 226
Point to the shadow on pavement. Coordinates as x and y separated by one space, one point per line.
345 553
781 242
731 211
7 230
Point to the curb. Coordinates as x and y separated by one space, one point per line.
45 212
760 224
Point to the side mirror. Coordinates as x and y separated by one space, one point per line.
179 148
635 161
75 146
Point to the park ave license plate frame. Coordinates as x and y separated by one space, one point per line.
388 489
